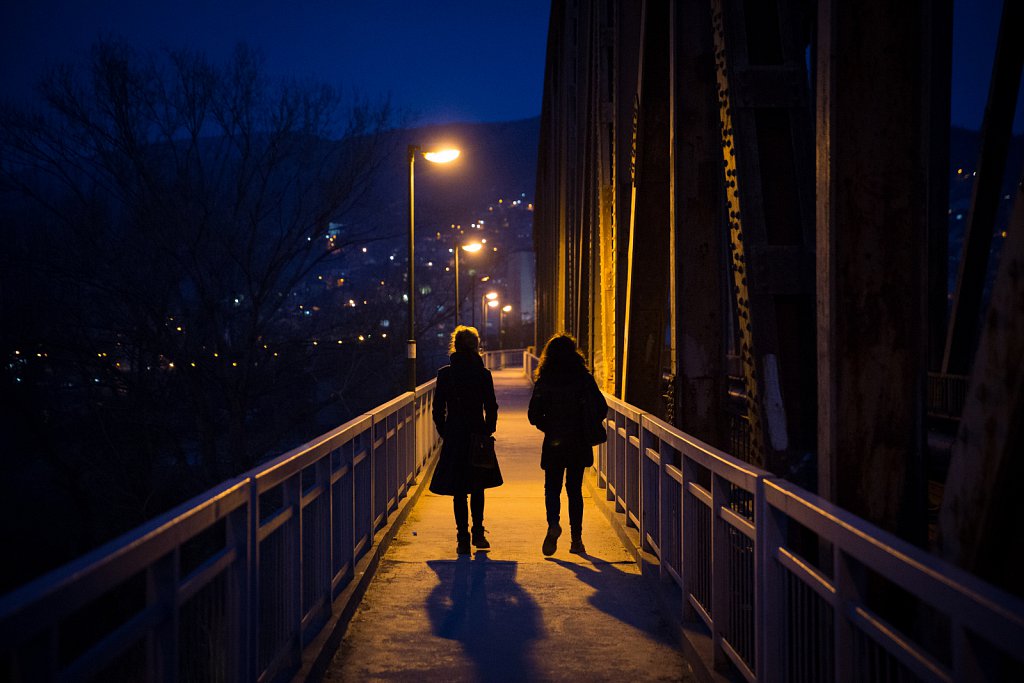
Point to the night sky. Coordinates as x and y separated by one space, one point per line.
440 60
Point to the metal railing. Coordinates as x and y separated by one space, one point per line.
233 584
504 358
790 587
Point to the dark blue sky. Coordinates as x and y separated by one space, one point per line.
442 60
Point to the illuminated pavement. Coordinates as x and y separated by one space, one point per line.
508 614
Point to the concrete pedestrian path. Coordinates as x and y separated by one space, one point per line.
507 614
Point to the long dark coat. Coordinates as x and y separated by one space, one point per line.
464 404
558 408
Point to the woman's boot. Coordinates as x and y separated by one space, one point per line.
551 539
479 540
576 542
463 542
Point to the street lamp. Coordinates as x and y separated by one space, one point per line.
437 157
492 302
472 295
472 248
507 308
489 296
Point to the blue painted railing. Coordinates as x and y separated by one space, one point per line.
789 587
234 584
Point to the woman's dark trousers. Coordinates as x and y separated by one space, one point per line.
476 503
573 477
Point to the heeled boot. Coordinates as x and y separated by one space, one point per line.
479 540
551 539
576 542
462 537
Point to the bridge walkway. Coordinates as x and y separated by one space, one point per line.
507 614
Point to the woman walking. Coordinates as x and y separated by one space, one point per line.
465 412
565 402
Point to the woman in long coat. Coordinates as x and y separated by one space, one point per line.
464 409
565 399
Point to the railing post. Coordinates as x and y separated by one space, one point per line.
644 523
669 524
685 540
720 570
162 641
769 586
251 629
966 666
239 536
293 499
849 585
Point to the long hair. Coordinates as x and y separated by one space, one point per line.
560 359
465 339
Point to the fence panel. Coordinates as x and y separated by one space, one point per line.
233 583
790 587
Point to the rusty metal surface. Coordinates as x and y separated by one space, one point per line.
736 240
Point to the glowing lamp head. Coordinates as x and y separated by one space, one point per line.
442 156
491 296
506 308
472 247
493 303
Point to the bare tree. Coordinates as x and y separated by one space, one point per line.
169 220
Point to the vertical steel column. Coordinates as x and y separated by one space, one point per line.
647 295
872 264
765 124
697 219
626 70
981 517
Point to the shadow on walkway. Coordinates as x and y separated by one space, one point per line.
614 593
479 603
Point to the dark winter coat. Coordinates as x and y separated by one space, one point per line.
558 407
464 405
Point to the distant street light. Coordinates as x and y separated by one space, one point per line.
472 295
507 308
437 157
491 299
472 248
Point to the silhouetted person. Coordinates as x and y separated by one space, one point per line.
565 395
464 407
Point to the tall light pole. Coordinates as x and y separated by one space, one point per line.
472 295
438 157
485 301
472 248
490 300
507 308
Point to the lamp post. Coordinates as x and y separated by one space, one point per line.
438 157
472 295
507 308
484 302
492 302
472 248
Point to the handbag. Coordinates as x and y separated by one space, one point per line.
481 451
594 432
